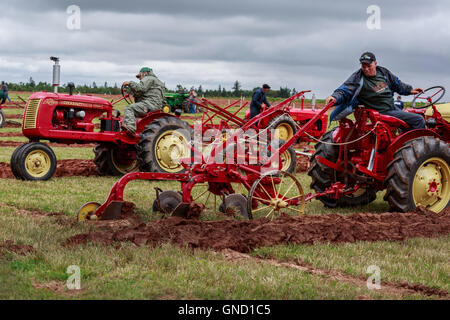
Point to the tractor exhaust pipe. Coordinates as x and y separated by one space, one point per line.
56 73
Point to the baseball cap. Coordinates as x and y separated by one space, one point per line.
367 57
144 69
266 86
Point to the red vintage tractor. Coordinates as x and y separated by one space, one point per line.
70 119
377 152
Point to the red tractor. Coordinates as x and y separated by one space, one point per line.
375 152
69 119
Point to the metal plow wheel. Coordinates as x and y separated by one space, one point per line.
87 211
275 193
202 194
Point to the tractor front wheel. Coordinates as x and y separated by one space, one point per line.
419 175
163 143
114 161
35 161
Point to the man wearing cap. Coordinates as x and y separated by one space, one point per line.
373 86
149 95
259 97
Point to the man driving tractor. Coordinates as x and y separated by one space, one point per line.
373 86
149 95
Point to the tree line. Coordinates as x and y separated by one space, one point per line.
235 91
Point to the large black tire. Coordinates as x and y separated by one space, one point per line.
14 163
35 161
411 174
323 176
109 163
285 124
2 118
154 151
288 158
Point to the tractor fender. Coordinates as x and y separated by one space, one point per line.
149 118
407 136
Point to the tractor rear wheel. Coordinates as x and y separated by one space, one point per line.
163 143
2 118
35 161
323 176
419 175
285 126
288 157
111 160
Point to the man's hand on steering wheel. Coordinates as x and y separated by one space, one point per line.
416 91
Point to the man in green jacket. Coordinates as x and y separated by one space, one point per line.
149 95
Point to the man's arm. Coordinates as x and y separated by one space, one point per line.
142 86
266 102
345 92
256 98
400 87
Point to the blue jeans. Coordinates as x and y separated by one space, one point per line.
192 108
6 96
415 121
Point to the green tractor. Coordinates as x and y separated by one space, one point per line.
178 100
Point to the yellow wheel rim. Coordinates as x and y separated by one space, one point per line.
37 163
123 168
284 131
286 160
170 148
166 109
87 211
431 187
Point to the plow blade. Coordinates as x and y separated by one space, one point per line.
181 210
112 211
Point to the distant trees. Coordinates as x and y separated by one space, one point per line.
235 92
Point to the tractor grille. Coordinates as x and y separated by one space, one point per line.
29 121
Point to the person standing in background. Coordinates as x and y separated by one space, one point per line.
5 91
192 98
398 103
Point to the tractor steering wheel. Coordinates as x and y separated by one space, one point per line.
429 99
125 90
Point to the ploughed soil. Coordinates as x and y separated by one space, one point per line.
18 143
244 236
13 116
64 168
11 134
21 249
12 124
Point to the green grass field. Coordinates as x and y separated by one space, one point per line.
172 272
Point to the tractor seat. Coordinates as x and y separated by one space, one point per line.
393 121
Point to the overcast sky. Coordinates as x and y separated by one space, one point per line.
307 45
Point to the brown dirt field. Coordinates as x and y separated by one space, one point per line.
18 143
64 168
21 249
12 124
11 134
244 236
13 116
